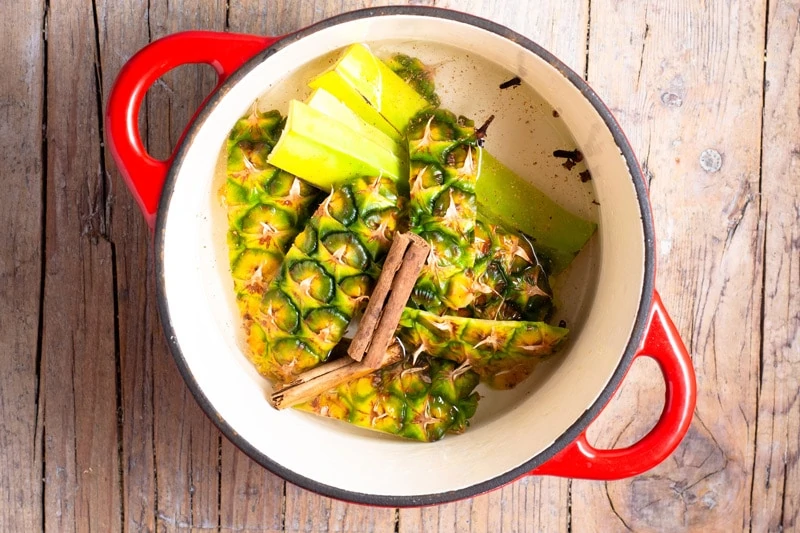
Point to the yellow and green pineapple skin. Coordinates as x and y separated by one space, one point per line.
509 281
502 353
266 207
442 209
416 74
325 279
422 401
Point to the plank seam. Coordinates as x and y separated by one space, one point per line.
588 37
761 210
569 505
219 482
40 429
106 228
613 509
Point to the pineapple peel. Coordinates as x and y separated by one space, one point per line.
372 135
502 353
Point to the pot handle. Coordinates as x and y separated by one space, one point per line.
143 173
662 343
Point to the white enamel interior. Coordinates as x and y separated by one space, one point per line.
600 296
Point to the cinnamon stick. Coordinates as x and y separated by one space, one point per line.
401 287
328 376
372 314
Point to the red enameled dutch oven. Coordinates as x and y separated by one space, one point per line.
608 295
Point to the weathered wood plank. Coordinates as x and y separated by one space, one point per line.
525 506
251 499
681 77
532 504
307 512
21 117
186 457
560 27
776 483
78 359
122 30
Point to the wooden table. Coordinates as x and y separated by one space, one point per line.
98 431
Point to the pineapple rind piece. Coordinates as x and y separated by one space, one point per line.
502 353
266 207
509 281
326 277
442 208
420 402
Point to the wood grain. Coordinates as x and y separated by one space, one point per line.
98 431
21 204
186 444
81 473
775 498
140 340
683 92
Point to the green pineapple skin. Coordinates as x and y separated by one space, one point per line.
327 152
509 200
415 74
442 206
505 197
266 207
502 353
510 283
325 278
392 97
422 402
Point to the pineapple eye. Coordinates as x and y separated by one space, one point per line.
327 322
345 248
355 286
294 353
441 130
280 184
424 295
254 265
442 246
342 207
457 156
255 153
278 310
267 218
453 204
494 278
306 241
428 176
312 280
374 193
385 219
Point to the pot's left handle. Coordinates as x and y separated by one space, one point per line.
143 173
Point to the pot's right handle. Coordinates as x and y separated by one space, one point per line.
662 343
143 173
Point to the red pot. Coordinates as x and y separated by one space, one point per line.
537 429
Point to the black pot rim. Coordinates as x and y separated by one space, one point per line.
562 441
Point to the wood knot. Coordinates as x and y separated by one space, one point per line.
710 160
671 99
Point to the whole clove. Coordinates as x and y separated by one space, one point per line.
480 133
575 155
513 82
